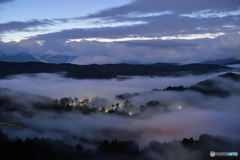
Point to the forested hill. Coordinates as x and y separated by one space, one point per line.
106 70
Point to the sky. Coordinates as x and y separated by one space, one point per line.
131 31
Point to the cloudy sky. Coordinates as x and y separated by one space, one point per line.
111 31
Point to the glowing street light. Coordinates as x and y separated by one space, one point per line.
179 107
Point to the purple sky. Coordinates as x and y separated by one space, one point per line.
108 31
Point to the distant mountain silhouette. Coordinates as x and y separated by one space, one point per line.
222 61
57 58
106 70
47 58
234 62
20 57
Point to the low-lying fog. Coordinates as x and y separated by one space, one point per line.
56 86
199 114
234 66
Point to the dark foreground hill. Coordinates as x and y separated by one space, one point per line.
106 70
47 149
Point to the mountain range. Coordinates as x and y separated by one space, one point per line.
107 70
225 61
47 58
57 59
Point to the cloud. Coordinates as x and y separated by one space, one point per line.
4 1
149 6
141 51
142 18
20 26
158 44
101 37
181 37
212 14
144 15
17 31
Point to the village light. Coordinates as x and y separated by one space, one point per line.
106 111
179 107
130 113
